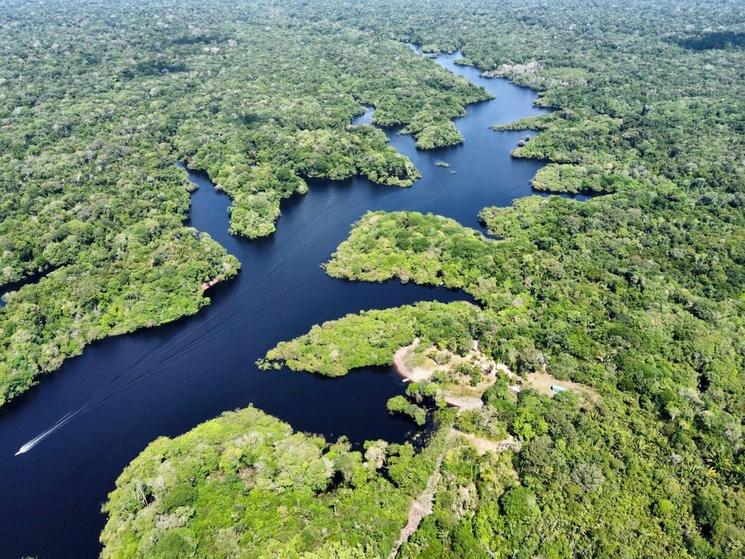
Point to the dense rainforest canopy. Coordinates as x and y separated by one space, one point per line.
245 485
99 101
637 294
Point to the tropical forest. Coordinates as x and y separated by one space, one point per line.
386 279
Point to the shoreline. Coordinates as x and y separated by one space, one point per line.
407 373
210 283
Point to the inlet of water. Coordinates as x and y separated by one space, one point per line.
194 369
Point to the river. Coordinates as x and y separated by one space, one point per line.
51 495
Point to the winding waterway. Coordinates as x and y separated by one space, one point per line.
51 495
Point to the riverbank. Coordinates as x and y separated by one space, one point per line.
410 373
202 363
462 379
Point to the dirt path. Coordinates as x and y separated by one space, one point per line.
423 504
464 402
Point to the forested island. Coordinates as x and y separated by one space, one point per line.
89 144
585 399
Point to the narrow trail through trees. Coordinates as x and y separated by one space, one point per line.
423 504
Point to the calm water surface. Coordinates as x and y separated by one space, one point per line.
196 368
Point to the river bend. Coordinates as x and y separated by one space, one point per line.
51 496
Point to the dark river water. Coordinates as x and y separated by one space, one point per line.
196 368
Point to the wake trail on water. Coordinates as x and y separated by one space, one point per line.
113 388
44 434
230 316
110 389
196 342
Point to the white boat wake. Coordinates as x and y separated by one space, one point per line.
38 438
119 383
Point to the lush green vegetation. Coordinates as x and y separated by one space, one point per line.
433 135
372 337
662 348
598 481
98 102
712 40
152 273
654 466
612 312
245 485
647 88
557 177
399 404
639 293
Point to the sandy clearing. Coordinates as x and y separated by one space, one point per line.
542 383
464 402
459 394
483 445
411 374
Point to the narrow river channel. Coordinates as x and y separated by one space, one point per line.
51 495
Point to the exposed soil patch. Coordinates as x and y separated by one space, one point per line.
467 376
211 283
402 361
550 386
464 402
483 445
